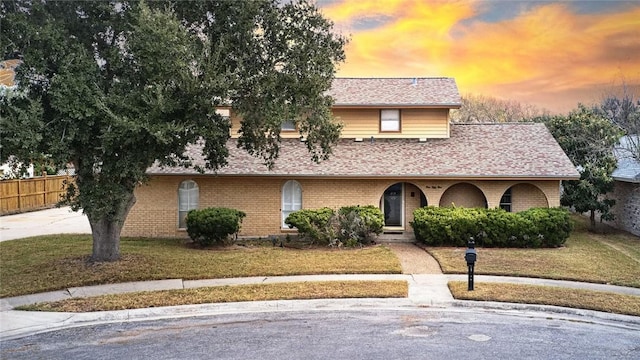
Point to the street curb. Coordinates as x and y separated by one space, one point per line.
73 320
588 315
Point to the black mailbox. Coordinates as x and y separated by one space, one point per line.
470 256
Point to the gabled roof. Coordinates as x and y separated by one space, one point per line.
433 92
473 151
628 169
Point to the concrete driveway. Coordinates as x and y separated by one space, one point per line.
43 222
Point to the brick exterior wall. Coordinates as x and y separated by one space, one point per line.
627 208
155 213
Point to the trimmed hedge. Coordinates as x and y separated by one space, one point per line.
313 224
350 226
213 225
533 228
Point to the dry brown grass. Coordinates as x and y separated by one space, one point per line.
548 295
56 262
600 258
283 291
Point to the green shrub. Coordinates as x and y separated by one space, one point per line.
213 225
350 226
358 224
314 225
553 226
540 227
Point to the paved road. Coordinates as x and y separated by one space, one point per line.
367 334
43 222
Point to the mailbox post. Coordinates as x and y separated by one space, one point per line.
471 256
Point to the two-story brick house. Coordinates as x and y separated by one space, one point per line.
398 151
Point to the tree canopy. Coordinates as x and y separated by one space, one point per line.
588 139
486 109
623 109
114 86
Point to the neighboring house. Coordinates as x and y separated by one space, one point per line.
398 151
627 189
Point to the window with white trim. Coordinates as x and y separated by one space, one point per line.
390 120
291 199
188 197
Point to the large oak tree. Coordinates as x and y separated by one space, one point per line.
114 86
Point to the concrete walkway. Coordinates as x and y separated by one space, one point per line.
427 288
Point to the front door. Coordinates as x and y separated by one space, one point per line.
392 205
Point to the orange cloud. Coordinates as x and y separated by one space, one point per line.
544 51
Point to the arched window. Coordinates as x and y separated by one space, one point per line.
188 197
291 199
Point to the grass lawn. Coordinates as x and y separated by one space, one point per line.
548 295
56 262
613 258
283 291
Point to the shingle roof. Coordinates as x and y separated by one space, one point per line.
473 151
628 169
395 92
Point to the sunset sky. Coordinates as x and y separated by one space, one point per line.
552 54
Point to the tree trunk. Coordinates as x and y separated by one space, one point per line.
106 232
592 219
106 240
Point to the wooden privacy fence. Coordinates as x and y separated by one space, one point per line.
30 194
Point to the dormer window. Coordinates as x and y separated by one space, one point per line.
288 125
390 120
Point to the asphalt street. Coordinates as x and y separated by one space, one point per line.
367 334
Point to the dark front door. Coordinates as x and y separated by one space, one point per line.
393 206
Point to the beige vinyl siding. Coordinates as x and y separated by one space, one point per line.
364 123
414 123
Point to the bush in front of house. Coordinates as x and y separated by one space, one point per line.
359 224
554 225
534 228
213 225
350 226
313 224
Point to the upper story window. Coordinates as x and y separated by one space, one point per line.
288 125
188 198
390 120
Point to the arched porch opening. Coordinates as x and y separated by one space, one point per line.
523 196
398 201
463 195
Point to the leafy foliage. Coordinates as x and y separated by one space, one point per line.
359 224
350 226
116 86
314 224
213 225
534 228
588 139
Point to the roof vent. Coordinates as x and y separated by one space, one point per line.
414 82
